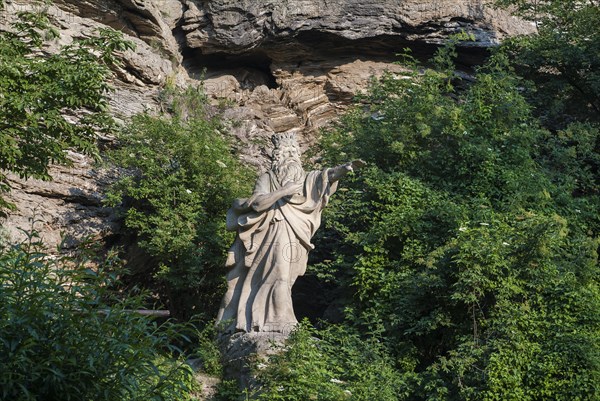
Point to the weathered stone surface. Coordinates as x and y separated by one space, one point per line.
269 66
69 206
238 26
209 386
318 92
144 69
307 97
346 80
150 21
243 353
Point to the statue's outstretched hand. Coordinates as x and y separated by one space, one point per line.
355 164
340 171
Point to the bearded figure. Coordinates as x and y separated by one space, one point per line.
274 229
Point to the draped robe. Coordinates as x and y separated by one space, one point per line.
269 253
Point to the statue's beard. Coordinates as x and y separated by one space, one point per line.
289 169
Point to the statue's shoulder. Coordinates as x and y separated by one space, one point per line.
315 174
263 182
266 176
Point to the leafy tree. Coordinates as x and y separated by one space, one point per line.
182 178
562 58
41 95
64 335
461 247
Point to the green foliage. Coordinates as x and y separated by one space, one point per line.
563 58
331 364
478 145
182 178
467 258
470 242
65 336
208 351
229 390
40 95
572 160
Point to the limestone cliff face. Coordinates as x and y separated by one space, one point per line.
237 26
280 65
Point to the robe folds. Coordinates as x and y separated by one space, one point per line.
269 253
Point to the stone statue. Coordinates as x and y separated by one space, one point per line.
274 228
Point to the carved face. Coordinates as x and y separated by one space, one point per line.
287 165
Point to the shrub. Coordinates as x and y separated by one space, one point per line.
331 364
562 58
471 240
65 336
182 178
40 95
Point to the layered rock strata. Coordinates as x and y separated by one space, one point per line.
272 66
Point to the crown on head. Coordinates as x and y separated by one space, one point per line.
285 140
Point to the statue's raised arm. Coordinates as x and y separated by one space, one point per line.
340 171
274 228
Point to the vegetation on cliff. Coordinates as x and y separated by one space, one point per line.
42 96
66 335
465 257
469 248
180 178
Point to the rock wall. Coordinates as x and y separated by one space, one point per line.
277 66
271 25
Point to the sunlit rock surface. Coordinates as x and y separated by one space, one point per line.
268 66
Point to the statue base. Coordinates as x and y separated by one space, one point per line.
242 353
